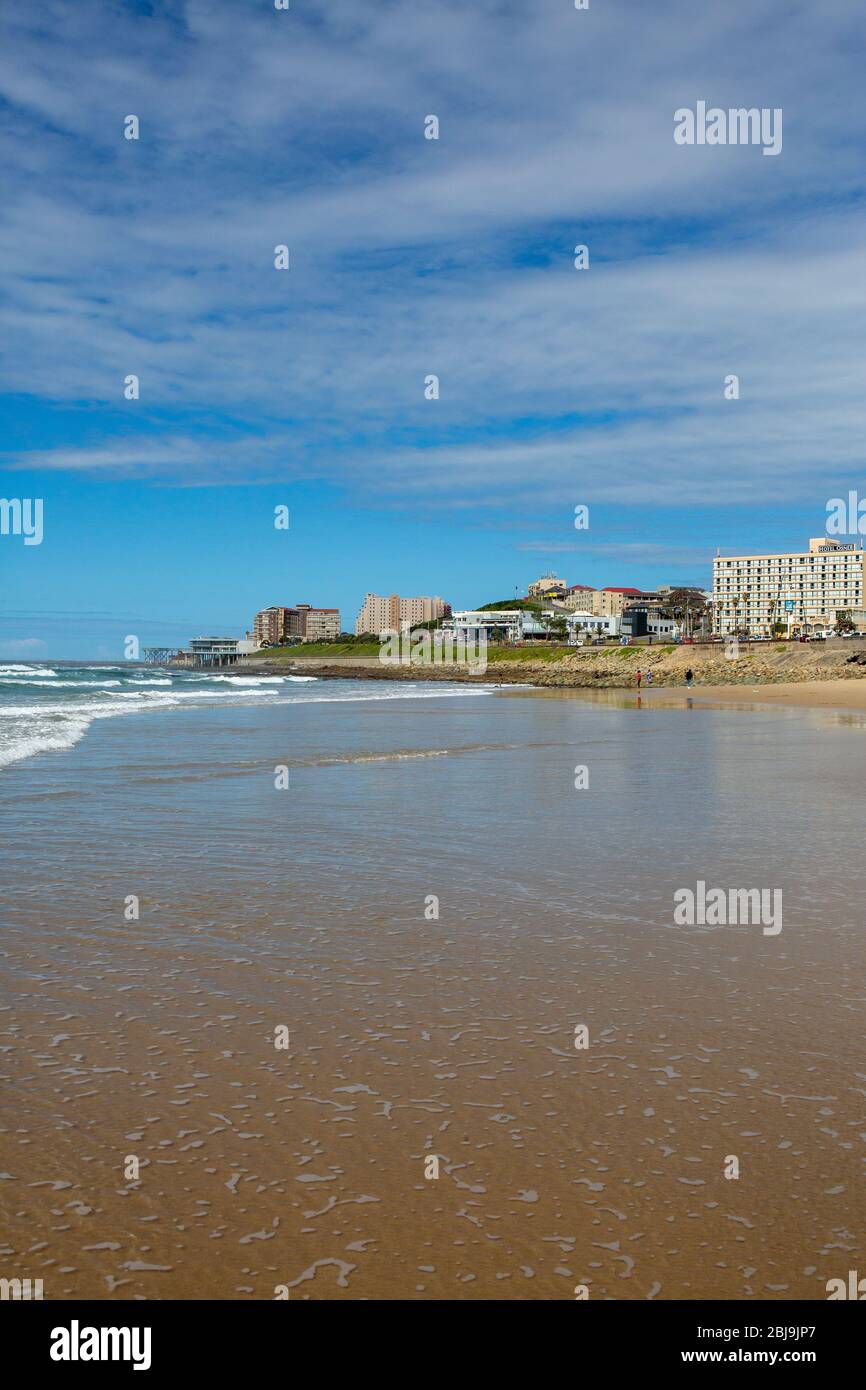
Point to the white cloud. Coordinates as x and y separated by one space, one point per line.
30 647
453 257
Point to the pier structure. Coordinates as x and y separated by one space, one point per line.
158 656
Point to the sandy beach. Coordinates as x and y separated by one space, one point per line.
414 1034
826 694
830 694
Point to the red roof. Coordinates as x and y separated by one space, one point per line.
620 589
573 588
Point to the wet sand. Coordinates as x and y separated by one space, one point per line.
412 1037
833 694
829 694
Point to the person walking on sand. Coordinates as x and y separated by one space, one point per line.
649 677
638 677
690 675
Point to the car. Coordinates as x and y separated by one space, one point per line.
849 634
816 637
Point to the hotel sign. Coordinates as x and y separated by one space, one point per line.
822 549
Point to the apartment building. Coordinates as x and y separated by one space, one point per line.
388 613
578 598
269 626
320 624
805 589
301 623
613 600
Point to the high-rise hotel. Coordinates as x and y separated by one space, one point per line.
805 588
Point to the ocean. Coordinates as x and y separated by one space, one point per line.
367 990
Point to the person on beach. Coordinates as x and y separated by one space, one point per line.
638 677
649 677
689 676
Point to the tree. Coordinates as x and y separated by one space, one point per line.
678 600
773 606
844 621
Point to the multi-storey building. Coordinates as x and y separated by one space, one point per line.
547 586
388 613
613 601
578 598
303 622
805 589
320 624
270 626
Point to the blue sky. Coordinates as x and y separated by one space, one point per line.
410 257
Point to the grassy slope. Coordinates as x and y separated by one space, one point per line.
364 651
369 651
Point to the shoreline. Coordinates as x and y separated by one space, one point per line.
839 695
816 684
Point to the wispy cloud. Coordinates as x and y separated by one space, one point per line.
412 257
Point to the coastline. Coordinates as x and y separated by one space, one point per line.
792 676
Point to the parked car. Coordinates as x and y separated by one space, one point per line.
816 637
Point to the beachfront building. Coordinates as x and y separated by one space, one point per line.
217 651
645 620
319 624
582 622
614 599
802 589
303 623
489 624
270 626
389 613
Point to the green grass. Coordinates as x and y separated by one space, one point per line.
369 651
541 652
523 605
628 651
320 651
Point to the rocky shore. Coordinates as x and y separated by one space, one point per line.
761 663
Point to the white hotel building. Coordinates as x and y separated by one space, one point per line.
805 589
